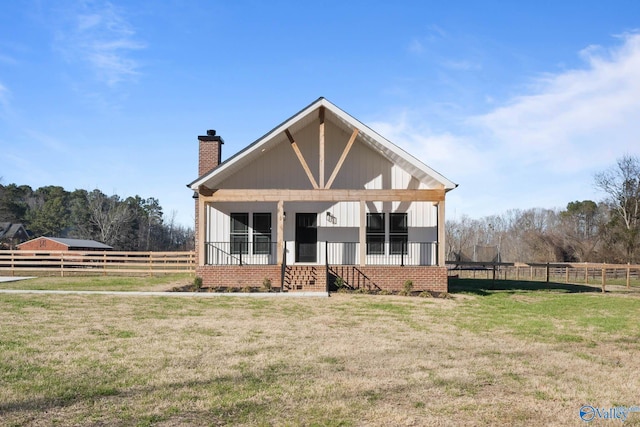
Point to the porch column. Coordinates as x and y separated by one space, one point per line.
280 232
363 232
441 235
202 229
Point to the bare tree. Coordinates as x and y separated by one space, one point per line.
108 217
621 183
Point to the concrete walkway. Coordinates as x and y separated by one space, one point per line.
5 279
173 294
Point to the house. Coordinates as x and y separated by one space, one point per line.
62 244
12 234
319 197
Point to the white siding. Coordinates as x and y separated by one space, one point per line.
363 168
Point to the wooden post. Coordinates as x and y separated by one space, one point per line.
321 148
628 275
280 232
441 235
566 274
362 235
202 230
604 277
586 274
548 272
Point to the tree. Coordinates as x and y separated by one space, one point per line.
580 225
49 213
13 206
108 217
621 183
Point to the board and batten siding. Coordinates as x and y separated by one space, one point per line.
279 167
341 225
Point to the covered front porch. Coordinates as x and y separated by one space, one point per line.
370 239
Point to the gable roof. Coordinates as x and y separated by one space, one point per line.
9 230
301 119
75 243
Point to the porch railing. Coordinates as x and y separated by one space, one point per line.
334 253
383 253
241 253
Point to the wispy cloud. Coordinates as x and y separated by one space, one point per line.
98 34
540 147
577 118
4 97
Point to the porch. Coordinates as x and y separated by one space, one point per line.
387 266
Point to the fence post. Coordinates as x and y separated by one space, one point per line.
628 274
604 277
586 274
566 273
61 264
547 272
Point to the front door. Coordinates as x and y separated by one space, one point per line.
306 237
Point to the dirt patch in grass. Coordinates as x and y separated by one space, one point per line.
344 360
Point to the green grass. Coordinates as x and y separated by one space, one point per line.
510 356
557 313
101 283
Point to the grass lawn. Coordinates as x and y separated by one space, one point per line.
511 355
102 283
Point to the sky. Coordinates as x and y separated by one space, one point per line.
519 103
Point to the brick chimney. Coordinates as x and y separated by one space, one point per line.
210 152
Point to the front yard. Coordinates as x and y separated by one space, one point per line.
509 356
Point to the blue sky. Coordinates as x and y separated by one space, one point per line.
520 103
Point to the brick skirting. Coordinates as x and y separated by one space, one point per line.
391 278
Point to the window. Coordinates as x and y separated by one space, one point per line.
239 233
375 234
398 233
262 233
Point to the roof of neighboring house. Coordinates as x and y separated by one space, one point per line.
9 230
77 243
298 121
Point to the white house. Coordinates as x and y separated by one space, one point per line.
319 196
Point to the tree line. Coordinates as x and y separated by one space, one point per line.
585 231
130 224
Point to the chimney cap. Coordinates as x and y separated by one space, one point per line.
211 136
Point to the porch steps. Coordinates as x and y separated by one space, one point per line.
302 277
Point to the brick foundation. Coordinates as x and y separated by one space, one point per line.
313 278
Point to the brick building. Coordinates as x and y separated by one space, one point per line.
62 244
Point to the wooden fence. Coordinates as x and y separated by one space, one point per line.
587 273
67 263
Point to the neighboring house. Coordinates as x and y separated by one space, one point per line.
12 234
320 196
62 244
